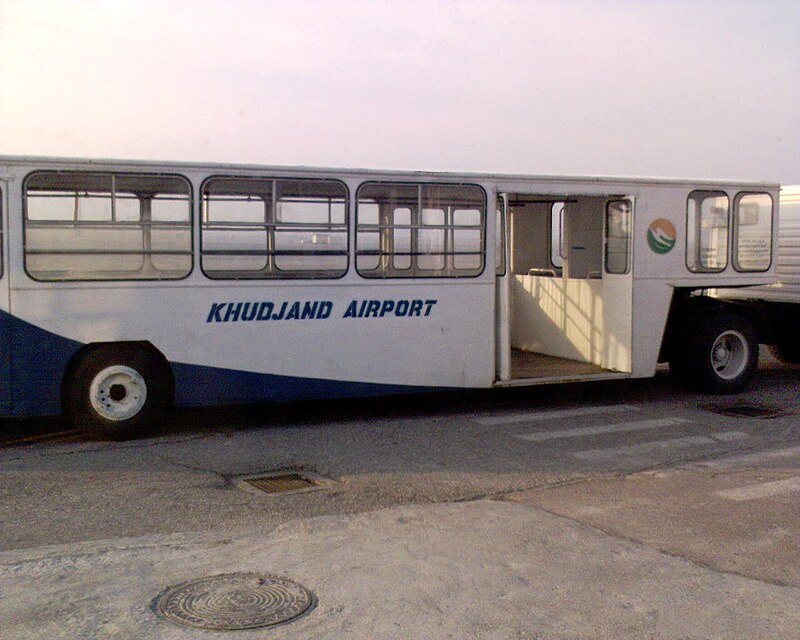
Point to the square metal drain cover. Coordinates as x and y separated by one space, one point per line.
283 482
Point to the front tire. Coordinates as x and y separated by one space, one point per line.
117 391
719 355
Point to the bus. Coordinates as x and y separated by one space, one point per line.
128 286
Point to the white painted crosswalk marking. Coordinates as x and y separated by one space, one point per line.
553 415
621 427
763 490
659 446
751 459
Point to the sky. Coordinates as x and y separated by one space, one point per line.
699 89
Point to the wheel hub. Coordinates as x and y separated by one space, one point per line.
729 355
118 393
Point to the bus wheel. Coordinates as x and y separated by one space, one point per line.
720 354
117 391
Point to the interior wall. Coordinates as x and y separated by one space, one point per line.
558 317
530 237
583 236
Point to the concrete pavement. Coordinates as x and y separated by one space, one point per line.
483 569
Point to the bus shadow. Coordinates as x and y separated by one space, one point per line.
229 420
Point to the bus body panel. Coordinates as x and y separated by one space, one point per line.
260 342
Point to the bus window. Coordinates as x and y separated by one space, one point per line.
96 226
557 235
500 240
753 232
618 221
273 228
420 230
707 231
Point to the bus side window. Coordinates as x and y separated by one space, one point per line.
618 232
500 239
707 230
420 230
753 232
557 235
107 226
263 228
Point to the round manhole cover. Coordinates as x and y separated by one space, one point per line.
234 601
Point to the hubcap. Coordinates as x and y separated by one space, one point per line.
729 355
118 393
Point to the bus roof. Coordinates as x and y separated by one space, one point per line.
228 167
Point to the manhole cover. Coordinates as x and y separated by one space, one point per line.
747 411
235 601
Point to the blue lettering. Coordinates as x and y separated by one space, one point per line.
428 306
401 310
373 308
249 312
351 311
325 308
309 309
216 308
416 308
386 307
279 315
232 314
294 312
265 310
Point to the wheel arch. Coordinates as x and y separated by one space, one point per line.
688 306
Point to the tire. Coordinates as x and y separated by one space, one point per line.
719 356
117 391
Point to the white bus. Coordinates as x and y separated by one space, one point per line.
126 286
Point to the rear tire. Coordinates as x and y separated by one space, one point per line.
719 355
117 391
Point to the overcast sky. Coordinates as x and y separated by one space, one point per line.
697 89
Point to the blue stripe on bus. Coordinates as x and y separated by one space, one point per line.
199 385
39 358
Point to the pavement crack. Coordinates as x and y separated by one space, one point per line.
667 552
224 477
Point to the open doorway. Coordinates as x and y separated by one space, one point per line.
568 286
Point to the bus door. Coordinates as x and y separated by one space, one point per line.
617 289
5 337
502 292
565 301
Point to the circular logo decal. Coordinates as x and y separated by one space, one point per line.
661 235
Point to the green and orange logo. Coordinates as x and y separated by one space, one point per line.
661 235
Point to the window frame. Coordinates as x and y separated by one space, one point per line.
736 230
415 272
270 227
112 173
697 231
